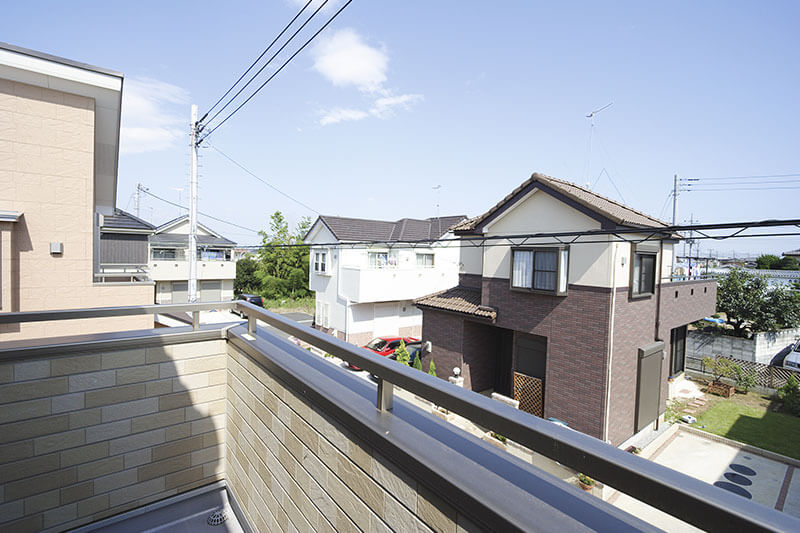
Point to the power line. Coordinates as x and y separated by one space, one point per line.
746 177
568 238
200 212
724 189
265 65
257 59
265 182
279 69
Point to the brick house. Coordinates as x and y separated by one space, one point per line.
587 333
365 292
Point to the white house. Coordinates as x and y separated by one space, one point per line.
367 291
169 264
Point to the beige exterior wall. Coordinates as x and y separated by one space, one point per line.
47 164
292 468
86 436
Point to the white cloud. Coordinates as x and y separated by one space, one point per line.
345 59
384 107
152 116
336 115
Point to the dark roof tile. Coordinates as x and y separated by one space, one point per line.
406 229
124 220
458 299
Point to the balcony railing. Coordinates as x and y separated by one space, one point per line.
121 272
684 497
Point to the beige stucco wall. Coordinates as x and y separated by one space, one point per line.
47 173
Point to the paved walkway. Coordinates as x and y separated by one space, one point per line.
769 482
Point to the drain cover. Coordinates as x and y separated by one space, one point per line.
217 517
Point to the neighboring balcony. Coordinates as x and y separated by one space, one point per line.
121 273
364 285
177 270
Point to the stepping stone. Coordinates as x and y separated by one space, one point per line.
689 410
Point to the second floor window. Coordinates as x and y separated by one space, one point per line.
540 270
425 260
321 262
378 259
644 273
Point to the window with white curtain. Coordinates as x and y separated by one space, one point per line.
540 269
424 260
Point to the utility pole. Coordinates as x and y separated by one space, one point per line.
675 201
136 199
193 210
437 188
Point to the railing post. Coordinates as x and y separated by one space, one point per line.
195 320
385 395
251 324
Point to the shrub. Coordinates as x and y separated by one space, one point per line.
417 363
402 354
789 394
432 368
744 380
499 437
720 367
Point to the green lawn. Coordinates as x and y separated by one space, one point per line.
748 419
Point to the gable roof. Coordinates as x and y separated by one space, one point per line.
162 237
124 222
584 200
405 229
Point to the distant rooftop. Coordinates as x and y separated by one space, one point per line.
405 229
124 221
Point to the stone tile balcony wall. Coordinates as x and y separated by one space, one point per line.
95 425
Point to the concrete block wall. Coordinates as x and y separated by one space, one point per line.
292 468
760 349
86 436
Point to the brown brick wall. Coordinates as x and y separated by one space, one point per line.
445 331
634 327
473 281
685 302
576 327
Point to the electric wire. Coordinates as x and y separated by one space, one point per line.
259 71
200 212
257 59
745 177
279 69
265 182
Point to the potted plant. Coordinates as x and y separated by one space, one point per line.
586 482
720 367
495 439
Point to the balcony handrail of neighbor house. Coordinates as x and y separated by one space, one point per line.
678 494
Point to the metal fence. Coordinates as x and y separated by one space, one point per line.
770 377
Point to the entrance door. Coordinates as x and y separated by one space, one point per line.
648 394
503 368
677 350
530 364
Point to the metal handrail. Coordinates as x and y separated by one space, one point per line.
678 494
104 312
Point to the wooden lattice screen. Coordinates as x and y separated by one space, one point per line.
530 393
771 377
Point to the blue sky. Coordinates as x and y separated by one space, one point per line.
396 97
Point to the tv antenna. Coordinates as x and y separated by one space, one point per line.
437 188
591 116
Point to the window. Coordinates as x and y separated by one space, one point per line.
540 270
424 260
378 259
644 273
321 262
168 253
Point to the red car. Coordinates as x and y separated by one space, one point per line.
384 346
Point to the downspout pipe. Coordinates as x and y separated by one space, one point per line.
611 340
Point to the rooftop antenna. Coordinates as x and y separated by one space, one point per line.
437 188
591 116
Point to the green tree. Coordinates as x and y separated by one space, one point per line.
282 268
432 368
788 262
748 301
246 281
417 362
767 262
401 354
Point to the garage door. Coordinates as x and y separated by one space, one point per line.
180 292
210 291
